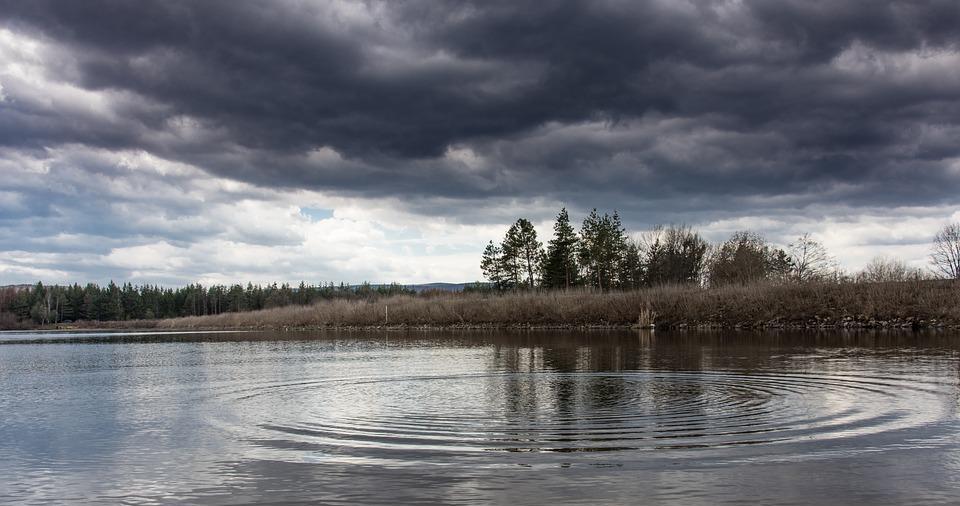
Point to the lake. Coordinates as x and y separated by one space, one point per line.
618 417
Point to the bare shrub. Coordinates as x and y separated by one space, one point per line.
882 269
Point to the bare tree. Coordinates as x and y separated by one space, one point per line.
945 257
883 268
810 259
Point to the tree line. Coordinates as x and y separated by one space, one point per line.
44 304
602 255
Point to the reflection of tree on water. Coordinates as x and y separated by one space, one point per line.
519 392
571 383
595 391
544 380
613 381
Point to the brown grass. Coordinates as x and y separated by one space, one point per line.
914 303
8 321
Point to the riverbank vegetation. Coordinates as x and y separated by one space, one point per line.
910 304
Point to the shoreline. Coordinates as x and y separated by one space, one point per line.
150 326
901 305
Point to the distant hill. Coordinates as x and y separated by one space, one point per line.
16 287
443 287
446 287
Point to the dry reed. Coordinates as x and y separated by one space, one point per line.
914 303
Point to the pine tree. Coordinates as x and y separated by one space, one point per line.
742 259
616 249
523 253
130 301
781 266
631 269
674 255
491 263
560 268
303 294
589 251
237 299
602 249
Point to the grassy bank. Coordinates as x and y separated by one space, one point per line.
903 304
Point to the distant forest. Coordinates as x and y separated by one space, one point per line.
42 304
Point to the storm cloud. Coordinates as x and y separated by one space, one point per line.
770 113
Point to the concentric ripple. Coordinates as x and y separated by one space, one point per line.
415 418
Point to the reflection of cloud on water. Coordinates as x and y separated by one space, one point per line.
391 419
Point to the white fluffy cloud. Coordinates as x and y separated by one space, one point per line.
77 214
102 215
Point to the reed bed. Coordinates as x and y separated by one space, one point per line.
900 304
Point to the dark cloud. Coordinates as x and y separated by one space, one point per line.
657 107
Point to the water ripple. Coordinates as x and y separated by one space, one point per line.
400 418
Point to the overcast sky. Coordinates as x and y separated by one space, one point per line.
227 141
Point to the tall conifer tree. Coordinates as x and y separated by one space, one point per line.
492 266
560 268
602 249
522 254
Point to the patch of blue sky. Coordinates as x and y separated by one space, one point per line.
316 213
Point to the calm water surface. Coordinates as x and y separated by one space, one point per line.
617 418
